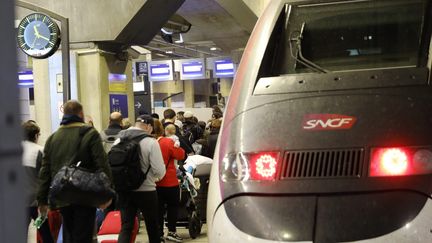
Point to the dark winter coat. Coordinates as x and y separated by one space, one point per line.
59 150
211 143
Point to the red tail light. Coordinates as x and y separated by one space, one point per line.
263 166
400 161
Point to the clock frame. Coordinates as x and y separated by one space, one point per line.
38 35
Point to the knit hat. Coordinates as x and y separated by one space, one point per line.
188 114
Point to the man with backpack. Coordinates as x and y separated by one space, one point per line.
191 130
110 134
136 146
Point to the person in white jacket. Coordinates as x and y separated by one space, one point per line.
145 197
32 161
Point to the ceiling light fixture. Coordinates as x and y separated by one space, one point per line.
180 39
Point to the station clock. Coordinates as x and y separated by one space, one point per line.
38 35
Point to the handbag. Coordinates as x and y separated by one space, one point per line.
77 185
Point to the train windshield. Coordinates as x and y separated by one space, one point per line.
349 35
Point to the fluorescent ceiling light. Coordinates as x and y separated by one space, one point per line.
169 52
140 50
213 48
180 40
166 32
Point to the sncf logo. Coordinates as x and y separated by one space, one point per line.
327 122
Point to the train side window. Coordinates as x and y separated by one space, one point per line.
270 65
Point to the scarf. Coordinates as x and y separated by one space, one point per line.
70 119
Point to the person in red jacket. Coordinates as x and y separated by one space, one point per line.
168 187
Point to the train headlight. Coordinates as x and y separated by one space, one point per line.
250 166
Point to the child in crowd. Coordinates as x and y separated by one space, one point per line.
170 132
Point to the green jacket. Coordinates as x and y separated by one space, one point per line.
59 150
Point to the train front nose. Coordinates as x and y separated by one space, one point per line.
362 182
397 216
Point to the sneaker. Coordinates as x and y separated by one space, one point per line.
162 239
173 236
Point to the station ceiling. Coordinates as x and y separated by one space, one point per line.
217 27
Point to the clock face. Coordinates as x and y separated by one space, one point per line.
38 35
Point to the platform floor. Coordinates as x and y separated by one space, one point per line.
142 235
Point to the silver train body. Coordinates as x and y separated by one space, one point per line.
327 135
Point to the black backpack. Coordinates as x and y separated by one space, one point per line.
125 161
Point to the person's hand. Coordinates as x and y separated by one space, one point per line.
43 209
105 205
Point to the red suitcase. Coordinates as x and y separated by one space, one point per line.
54 221
111 226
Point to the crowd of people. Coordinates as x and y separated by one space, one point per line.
164 145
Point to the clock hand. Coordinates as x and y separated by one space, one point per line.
43 37
36 31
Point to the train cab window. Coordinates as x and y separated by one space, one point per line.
344 36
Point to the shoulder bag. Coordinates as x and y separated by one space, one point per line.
77 185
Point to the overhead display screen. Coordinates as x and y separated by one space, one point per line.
224 68
161 70
192 69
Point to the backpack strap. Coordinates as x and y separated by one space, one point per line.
138 139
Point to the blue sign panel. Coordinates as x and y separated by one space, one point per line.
192 69
223 68
160 70
119 103
25 79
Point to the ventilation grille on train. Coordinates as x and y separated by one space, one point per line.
322 163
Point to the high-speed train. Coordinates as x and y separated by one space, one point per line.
327 135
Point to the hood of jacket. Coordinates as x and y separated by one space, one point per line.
131 132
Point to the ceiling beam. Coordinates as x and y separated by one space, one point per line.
148 21
242 14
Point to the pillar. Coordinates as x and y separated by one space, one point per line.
42 98
189 93
95 90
